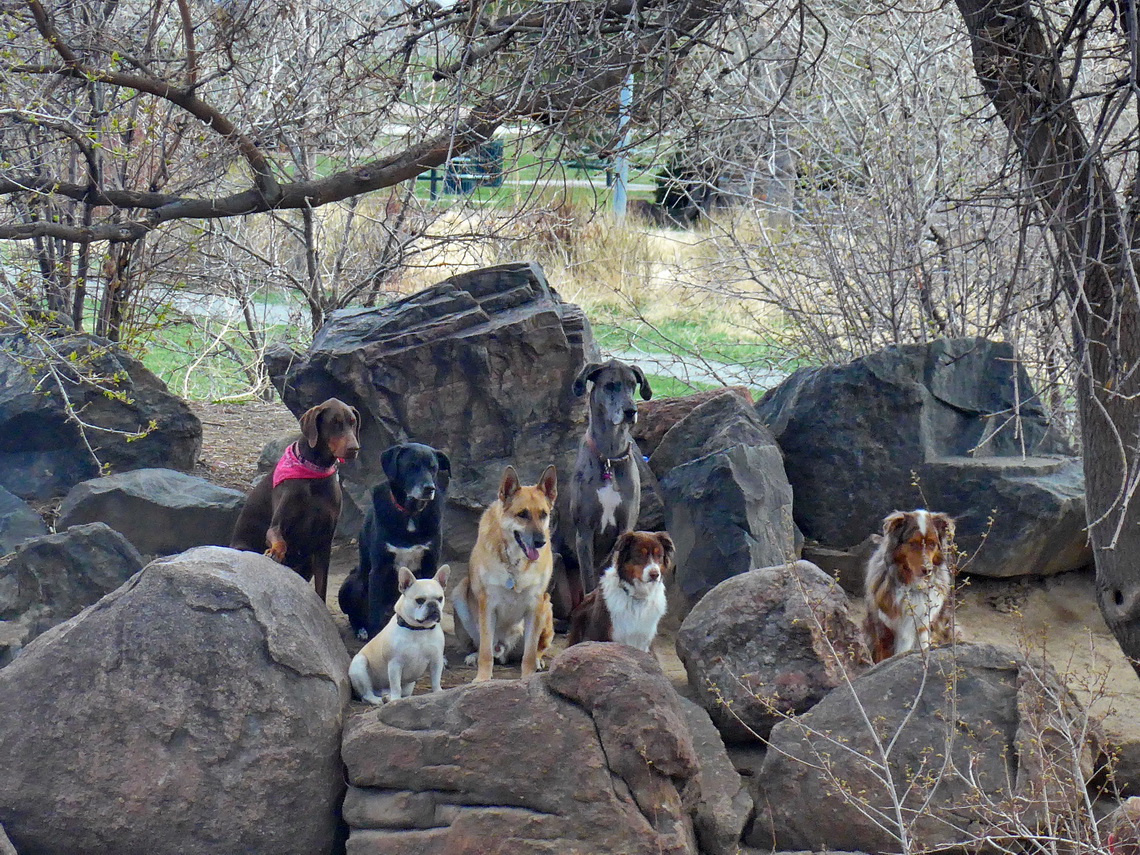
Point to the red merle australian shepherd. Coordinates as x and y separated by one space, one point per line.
908 584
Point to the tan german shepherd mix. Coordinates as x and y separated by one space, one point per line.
504 596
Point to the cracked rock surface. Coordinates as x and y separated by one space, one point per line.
196 709
594 756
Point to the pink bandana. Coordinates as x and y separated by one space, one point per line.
290 467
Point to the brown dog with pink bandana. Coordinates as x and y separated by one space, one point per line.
291 515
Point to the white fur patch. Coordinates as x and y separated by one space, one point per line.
634 617
408 556
609 497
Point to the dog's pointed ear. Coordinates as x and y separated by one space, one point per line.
642 383
667 547
311 425
388 461
406 579
584 376
441 575
549 483
443 461
509 485
894 523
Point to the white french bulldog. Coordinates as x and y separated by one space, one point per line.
408 646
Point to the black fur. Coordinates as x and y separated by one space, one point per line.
417 482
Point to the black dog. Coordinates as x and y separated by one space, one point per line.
402 529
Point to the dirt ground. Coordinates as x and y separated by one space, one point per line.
1057 616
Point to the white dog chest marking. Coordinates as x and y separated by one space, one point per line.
609 498
408 556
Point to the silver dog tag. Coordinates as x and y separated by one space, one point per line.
510 583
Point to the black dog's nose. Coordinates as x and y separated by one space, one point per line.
539 542
429 492
630 413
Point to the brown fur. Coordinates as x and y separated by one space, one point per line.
293 523
592 619
909 584
505 585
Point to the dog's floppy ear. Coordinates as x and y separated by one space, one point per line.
406 579
388 461
894 523
584 376
944 525
642 383
549 483
620 553
509 485
443 461
667 547
356 427
441 575
311 425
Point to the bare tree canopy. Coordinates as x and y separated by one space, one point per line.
145 113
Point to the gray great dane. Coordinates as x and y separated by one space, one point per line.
605 492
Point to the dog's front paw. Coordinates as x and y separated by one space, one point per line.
471 660
540 664
362 634
276 552
375 700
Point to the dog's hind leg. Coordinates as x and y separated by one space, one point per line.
361 680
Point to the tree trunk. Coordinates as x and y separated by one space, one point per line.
1066 177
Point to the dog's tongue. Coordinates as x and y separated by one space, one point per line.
531 553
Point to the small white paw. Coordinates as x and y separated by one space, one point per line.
471 660
373 699
362 634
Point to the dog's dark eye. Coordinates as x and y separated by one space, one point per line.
524 515
613 387
419 601
542 515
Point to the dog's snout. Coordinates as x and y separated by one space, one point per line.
630 414
539 542
429 491
654 574
433 612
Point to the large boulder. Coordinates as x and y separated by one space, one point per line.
160 511
954 426
130 419
54 577
480 366
594 756
725 805
656 417
981 746
18 522
728 503
768 644
196 709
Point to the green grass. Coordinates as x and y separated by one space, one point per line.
671 387
198 363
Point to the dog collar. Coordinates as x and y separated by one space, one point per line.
401 622
292 466
608 462
399 507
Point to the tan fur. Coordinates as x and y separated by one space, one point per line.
505 592
909 583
